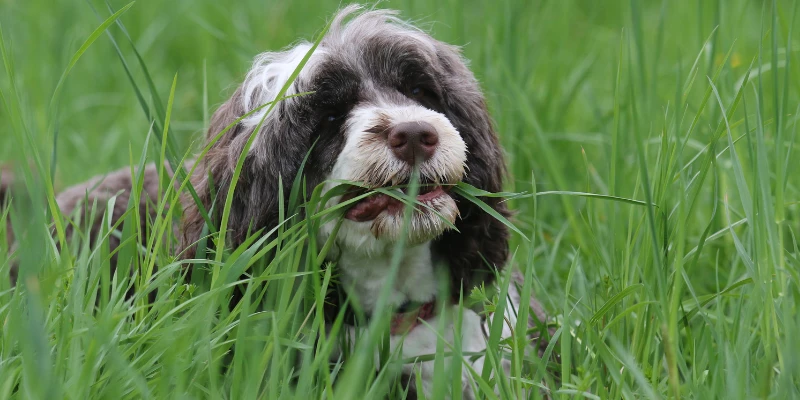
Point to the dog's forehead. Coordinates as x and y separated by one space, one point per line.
379 57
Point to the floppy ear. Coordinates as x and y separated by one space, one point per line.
273 156
481 245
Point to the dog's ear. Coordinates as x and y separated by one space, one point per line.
274 155
481 245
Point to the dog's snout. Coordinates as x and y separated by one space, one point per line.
413 142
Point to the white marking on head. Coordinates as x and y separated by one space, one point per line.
269 74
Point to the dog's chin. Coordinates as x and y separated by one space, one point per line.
436 214
374 225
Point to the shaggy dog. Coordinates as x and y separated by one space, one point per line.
384 99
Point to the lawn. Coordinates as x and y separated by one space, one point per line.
651 143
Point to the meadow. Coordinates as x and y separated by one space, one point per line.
651 145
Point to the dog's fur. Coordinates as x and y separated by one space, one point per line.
370 73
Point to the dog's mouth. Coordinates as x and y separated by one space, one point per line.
373 205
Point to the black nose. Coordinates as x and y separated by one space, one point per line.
413 142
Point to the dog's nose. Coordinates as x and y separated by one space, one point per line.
413 142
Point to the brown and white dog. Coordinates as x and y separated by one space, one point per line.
384 97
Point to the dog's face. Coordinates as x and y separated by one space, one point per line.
381 107
384 98
376 108
383 140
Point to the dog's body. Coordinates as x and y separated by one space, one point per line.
385 99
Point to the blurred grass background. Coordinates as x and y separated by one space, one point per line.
604 97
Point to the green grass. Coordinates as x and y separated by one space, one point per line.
653 141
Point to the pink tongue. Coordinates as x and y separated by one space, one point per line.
369 208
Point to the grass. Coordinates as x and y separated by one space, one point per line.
653 142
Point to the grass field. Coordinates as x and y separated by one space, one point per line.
655 142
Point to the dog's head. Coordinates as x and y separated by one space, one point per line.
385 97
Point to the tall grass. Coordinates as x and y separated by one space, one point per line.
652 144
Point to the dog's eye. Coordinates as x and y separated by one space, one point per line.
333 117
424 96
417 91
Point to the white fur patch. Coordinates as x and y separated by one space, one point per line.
268 75
366 154
421 341
365 277
367 158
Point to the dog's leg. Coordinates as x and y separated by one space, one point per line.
422 340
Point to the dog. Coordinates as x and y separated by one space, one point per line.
375 101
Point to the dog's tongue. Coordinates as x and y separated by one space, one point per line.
369 208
